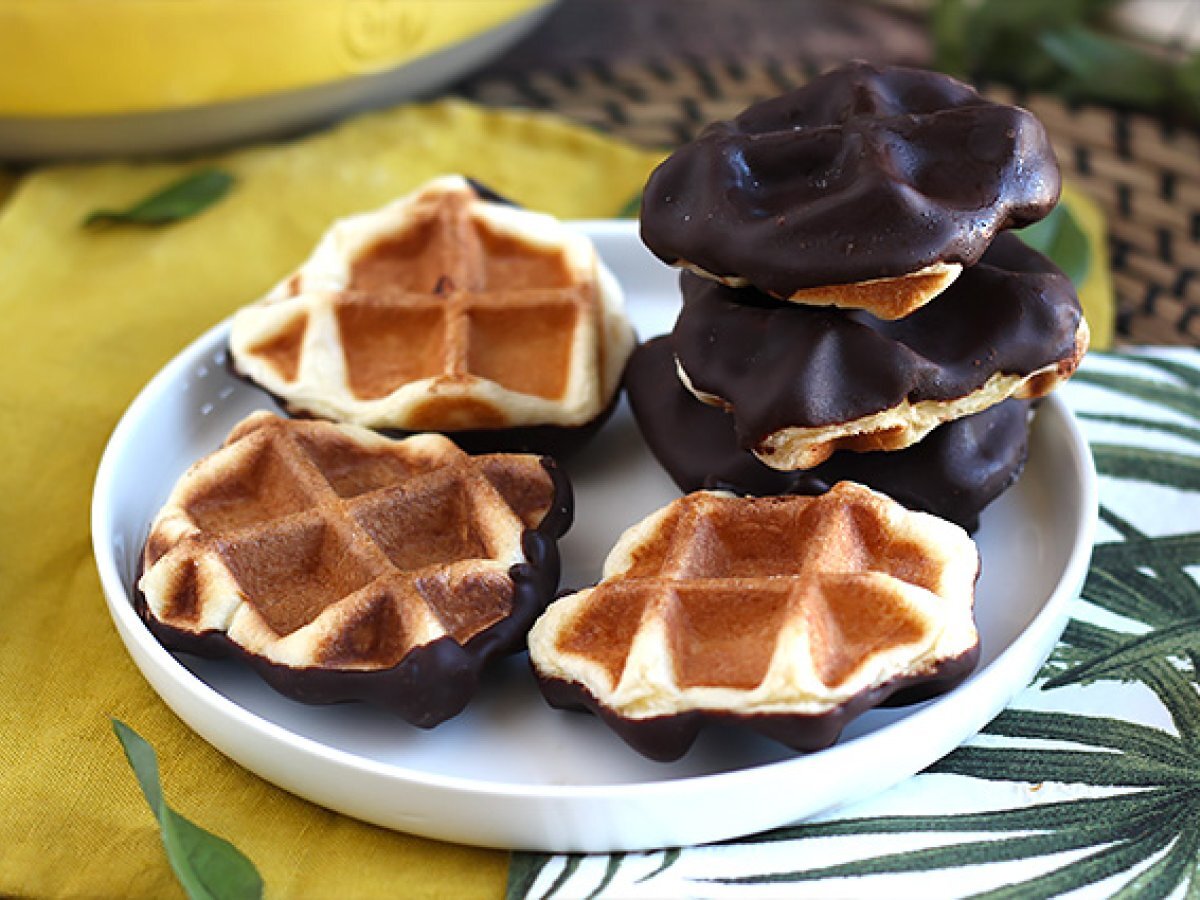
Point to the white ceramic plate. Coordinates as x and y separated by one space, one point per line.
510 771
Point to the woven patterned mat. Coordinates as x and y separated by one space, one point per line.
1144 174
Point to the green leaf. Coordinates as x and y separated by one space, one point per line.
1098 769
1139 596
1039 817
1176 470
969 853
1182 400
208 867
1161 879
1094 867
1188 374
181 200
670 857
1178 694
523 872
948 23
610 872
1101 68
1098 731
1172 428
1059 237
632 207
1081 642
569 868
1136 652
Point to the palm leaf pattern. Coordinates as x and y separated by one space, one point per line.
1091 780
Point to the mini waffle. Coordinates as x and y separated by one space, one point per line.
803 382
789 615
954 472
443 311
869 187
343 565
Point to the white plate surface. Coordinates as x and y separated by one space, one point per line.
510 771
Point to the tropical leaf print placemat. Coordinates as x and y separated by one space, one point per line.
1089 783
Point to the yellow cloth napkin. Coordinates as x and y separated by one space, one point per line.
90 316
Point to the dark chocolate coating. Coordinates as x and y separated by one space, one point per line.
667 738
863 173
434 682
957 470
781 365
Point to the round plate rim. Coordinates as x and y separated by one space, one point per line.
1037 638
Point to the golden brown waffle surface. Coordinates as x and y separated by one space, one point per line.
442 311
309 547
763 608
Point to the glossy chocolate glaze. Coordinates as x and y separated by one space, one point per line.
956 471
433 682
667 738
781 365
863 173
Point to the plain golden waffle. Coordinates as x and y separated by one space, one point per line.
345 565
788 614
442 311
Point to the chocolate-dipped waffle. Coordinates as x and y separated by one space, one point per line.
344 565
954 472
789 615
866 188
802 382
444 311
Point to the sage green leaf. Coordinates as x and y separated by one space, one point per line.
183 199
632 208
1111 71
999 38
208 867
1059 237
948 23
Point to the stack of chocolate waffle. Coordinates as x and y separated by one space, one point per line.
850 285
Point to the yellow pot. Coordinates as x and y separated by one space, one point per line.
101 77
